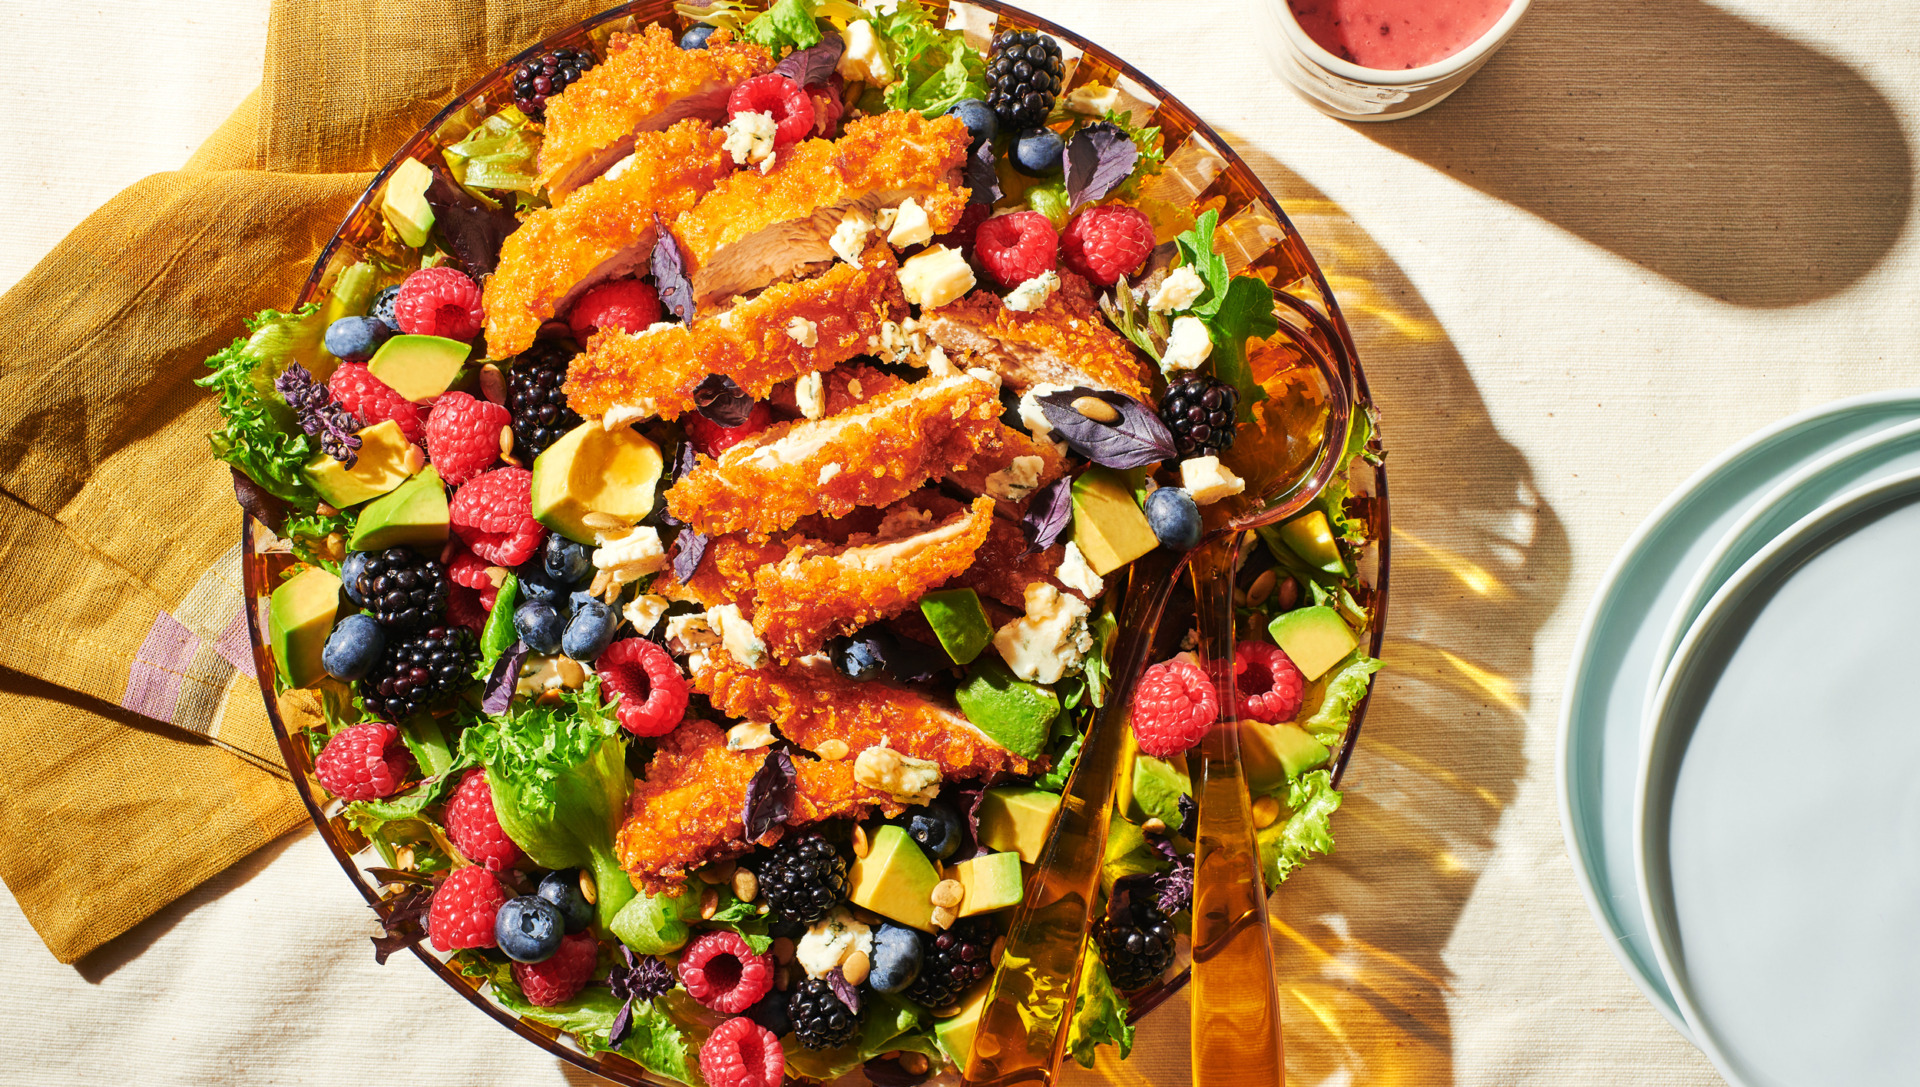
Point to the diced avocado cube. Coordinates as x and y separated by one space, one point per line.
419 367
594 470
300 615
1016 819
992 881
1311 537
895 879
414 513
955 1033
1315 639
404 204
1275 754
1155 789
380 467
959 621
1108 526
1015 714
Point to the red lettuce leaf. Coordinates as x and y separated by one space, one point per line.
813 64
769 795
670 273
505 677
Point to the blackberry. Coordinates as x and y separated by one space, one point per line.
383 306
535 397
819 1019
955 961
418 669
541 78
403 589
1200 410
1136 945
803 879
1023 78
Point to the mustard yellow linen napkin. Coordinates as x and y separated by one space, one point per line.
135 755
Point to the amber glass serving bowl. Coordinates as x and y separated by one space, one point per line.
1202 172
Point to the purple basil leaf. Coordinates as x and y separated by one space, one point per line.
721 401
265 506
622 1023
845 990
882 1072
504 679
688 549
320 415
1136 439
470 229
1097 159
404 920
983 180
1048 515
1176 888
1189 817
670 273
813 64
769 795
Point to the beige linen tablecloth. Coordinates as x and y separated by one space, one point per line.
1644 230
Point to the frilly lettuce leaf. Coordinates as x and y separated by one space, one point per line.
1286 845
258 433
933 67
1099 1013
1328 707
498 154
1234 309
306 531
659 1041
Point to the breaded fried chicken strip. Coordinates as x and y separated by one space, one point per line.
811 703
999 574
757 228
787 330
607 230
820 590
872 456
645 84
1064 342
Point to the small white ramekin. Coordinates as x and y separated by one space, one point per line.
1341 88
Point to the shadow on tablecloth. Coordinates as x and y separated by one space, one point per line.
1734 161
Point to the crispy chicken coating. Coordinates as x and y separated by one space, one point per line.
872 456
1065 342
998 574
820 590
757 228
607 230
645 84
787 330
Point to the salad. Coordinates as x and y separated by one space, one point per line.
709 495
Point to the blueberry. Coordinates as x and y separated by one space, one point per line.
539 625
935 827
355 339
568 562
981 124
536 585
770 1011
590 631
1036 152
896 957
528 928
562 888
696 36
383 303
859 657
353 647
1174 517
350 575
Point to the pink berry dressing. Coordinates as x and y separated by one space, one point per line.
1395 35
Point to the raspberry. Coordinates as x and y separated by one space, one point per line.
626 304
792 110
466 609
364 762
1105 243
463 909
721 972
1017 247
653 693
1269 684
372 400
463 436
742 1053
473 827
1173 707
470 570
493 515
713 439
439 301
558 979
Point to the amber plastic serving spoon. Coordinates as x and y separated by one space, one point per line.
1024 1023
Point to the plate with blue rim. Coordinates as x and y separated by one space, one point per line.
1612 672
1778 818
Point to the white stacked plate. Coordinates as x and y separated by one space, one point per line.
1740 752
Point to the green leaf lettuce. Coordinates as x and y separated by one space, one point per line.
1099 1013
259 433
1286 845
